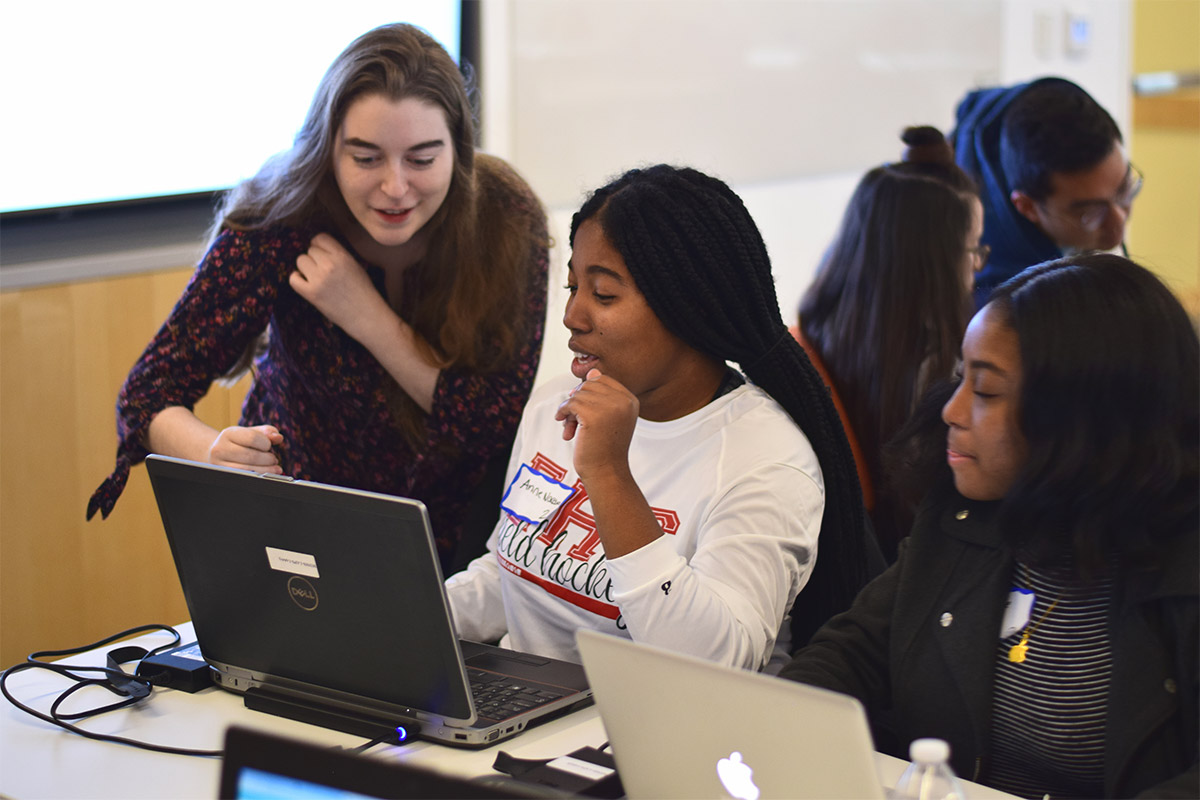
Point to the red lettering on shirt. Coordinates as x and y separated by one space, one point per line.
606 610
585 549
547 466
571 514
667 520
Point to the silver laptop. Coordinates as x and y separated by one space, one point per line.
326 605
686 728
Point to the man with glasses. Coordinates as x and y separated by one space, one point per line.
1053 173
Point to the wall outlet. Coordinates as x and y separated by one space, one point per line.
1077 27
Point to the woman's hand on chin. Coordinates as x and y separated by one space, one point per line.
600 415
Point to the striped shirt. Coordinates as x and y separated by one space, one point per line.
1048 711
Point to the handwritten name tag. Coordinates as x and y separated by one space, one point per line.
533 496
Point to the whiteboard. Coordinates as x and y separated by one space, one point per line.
750 90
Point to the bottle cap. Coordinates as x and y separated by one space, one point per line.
928 751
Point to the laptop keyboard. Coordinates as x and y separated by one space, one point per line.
500 696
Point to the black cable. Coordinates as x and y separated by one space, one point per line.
133 688
34 657
390 738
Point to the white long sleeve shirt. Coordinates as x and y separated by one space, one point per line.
739 494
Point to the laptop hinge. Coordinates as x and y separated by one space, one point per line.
338 719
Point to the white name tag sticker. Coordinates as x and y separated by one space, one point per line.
295 563
577 766
1016 613
534 496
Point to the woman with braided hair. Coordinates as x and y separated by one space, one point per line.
657 494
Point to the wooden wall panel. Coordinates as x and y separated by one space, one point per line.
64 351
1164 141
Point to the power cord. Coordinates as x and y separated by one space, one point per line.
365 746
133 688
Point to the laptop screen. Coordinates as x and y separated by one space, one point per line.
263 766
255 784
312 588
326 605
683 728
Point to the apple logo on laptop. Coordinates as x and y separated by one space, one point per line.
737 777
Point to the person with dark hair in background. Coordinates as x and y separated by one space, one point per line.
1042 617
656 493
399 279
1054 174
886 311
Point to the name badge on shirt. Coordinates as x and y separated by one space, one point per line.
533 496
1016 613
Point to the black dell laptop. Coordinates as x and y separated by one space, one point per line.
327 605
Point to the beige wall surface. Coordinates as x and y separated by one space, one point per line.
64 351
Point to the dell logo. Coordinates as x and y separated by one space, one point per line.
302 593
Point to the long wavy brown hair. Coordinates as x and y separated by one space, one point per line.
889 304
473 280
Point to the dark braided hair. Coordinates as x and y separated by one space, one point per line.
699 260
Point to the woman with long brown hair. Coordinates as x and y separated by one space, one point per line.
885 313
398 280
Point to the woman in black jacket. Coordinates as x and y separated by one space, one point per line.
1042 616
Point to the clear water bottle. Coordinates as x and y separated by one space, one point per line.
929 776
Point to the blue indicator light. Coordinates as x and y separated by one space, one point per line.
401 733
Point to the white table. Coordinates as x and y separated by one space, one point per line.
38 760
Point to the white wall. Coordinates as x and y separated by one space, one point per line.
787 100
751 90
1036 40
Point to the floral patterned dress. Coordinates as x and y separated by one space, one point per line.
322 389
